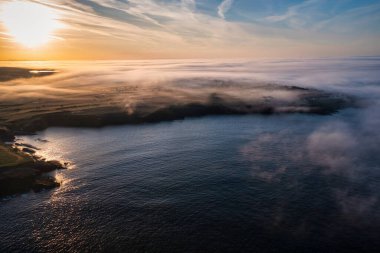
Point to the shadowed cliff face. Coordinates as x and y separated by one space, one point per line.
102 93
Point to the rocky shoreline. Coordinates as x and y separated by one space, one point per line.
28 172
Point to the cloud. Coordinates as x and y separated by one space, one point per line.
263 152
292 11
190 4
332 146
153 27
356 206
188 29
294 16
224 7
158 90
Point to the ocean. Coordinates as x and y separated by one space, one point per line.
244 183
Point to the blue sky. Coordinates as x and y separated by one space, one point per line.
217 28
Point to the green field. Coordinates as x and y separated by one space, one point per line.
10 158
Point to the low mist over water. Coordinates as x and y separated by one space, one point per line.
287 181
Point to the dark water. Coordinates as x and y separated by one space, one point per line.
297 183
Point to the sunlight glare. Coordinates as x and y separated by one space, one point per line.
30 24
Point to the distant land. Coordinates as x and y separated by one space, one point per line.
103 105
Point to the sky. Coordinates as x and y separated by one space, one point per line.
170 29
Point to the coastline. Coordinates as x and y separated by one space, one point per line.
21 170
31 172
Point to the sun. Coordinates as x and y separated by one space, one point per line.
29 24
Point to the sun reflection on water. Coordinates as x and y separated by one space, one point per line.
51 151
46 150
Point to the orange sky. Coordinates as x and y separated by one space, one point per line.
103 29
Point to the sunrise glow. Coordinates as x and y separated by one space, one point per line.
29 24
